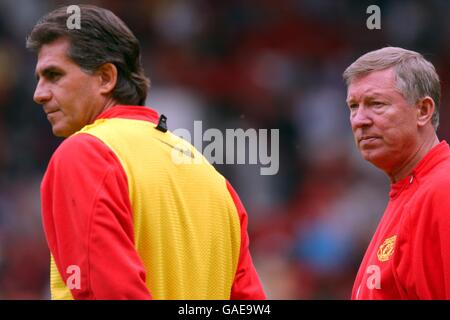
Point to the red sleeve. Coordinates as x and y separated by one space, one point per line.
246 285
88 223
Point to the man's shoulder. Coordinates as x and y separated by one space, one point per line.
435 186
78 146
440 176
432 196
78 141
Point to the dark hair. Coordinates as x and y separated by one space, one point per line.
102 38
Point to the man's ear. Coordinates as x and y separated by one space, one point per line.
108 78
425 109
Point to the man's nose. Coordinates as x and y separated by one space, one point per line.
360 118
42 94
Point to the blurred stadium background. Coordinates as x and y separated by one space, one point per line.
234 64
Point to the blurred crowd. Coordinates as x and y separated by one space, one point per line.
234 64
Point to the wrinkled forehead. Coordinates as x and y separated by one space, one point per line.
373 83
54 51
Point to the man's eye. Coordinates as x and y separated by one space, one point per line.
353 106
53 76
377 103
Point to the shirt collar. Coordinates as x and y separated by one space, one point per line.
130 112
436 155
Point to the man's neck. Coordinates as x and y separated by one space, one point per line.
108 104
411 162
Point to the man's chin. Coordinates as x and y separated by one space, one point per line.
374 156
60 132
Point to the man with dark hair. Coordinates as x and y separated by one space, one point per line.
122 219
393 97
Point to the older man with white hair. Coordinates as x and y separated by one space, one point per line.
393 97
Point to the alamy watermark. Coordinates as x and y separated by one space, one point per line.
235 146
74 278
374 20
74 20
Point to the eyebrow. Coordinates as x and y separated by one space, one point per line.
370 95
375 95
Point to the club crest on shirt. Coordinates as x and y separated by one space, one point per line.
386 249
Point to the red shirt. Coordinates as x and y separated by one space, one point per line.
409 255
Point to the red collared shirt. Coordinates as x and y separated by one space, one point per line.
409 255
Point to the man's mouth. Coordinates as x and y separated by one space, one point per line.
50 111
51 115
367 139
